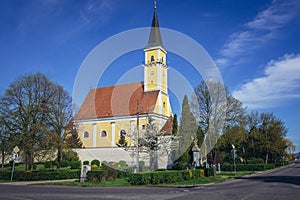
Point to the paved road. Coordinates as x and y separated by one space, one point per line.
281 183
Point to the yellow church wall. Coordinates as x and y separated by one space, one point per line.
158 55
87 142
164 80
107 126
104 141
152 78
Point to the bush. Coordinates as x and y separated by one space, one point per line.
41 175
64 163
159 177
86 162
69 155
75 164
95 162
94 167
123 163
97 176
48 164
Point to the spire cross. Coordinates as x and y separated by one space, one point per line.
154 4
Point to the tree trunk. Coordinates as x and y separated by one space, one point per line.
58 156
3 159
28 161
267 157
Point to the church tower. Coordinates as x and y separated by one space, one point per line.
155 67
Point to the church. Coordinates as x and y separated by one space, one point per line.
109 112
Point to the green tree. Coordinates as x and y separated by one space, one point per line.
72 139
215 108
122 141
60 111
188 129
25 108
175 125
6 143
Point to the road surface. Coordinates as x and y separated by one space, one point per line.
282 183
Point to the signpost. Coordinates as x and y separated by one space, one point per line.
15 156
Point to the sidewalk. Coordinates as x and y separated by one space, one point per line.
36 182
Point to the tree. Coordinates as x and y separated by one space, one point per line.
188 129
151 142
175 125
6 144
272 132
60 111
72 139
25 108
236 136
215 109
266 137
122 141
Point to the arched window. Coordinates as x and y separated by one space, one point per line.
103 134
86 134
122 132
152 58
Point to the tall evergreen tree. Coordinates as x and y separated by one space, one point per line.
188 129
175 125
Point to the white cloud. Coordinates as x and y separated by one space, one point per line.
281 81
261 29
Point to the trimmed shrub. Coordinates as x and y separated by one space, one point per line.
94 167
41 175
97 176
48 164
64 163
159 177
75 164
86 162
123 163
95 162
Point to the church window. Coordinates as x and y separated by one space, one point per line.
86 134
152 58
164 104
103 133
143 127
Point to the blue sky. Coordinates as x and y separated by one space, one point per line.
255 44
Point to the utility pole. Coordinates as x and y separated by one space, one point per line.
137 136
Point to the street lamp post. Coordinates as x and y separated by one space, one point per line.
234 156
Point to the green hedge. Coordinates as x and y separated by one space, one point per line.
247 167
41 175
159 177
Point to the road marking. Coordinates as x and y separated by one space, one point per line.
248 196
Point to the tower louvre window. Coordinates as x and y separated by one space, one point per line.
152 58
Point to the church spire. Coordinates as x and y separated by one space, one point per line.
155 39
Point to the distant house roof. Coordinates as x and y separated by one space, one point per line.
119 100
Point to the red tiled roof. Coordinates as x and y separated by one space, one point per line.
168 127
120 100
